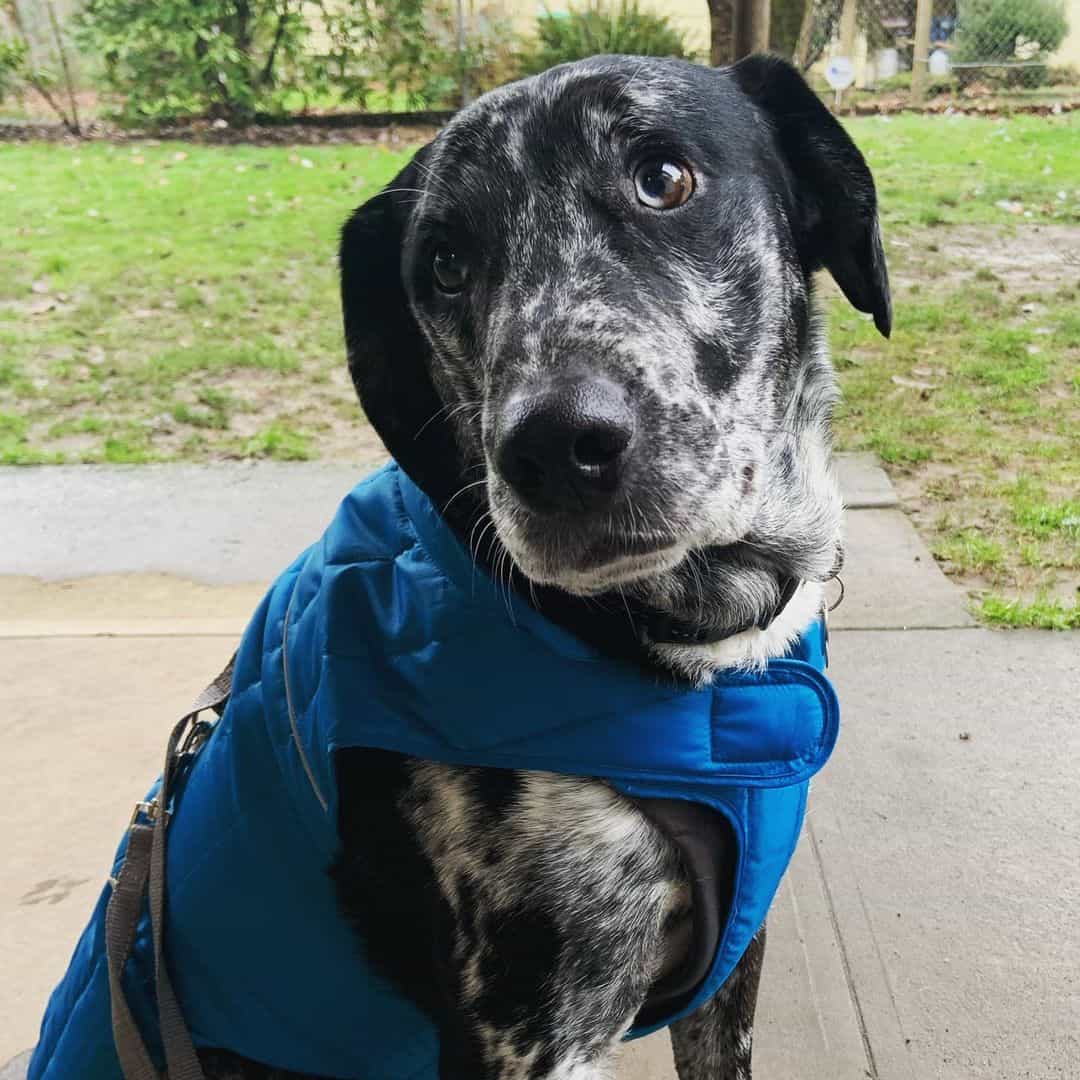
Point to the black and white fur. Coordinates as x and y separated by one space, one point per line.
529 914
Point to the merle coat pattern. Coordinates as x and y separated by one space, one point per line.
582 319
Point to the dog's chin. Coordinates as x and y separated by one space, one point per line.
590 576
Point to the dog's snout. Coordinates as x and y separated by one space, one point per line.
564 448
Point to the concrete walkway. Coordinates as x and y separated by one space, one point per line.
928 925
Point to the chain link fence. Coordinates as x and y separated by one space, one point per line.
926 48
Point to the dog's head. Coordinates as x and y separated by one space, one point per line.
584 310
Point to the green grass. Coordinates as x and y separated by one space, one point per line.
165 301
169 289
281 442
1040 614
989 456
934 171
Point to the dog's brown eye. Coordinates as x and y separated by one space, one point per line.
663 185
450 269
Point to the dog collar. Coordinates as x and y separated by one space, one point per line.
658 628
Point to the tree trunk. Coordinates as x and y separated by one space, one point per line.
722 31
802 45
752 28
61 48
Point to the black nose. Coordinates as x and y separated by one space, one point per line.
565 448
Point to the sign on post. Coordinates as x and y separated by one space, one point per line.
840 74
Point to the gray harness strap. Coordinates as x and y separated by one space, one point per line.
143 872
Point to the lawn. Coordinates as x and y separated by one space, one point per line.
169 301
974 404
174 301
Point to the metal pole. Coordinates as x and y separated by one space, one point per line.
921 60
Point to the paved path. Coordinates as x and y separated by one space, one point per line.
927 927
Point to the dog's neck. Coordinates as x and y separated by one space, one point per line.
753 647
618 624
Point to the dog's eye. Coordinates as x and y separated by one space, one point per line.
663 185
450 269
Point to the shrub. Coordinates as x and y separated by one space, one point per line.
174 58
410 48
12 65
1006 31
234 58
600 28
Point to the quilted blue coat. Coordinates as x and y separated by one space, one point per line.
385 634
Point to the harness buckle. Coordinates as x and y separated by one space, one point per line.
149 810
198 733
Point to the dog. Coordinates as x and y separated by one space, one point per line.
582 321
582 318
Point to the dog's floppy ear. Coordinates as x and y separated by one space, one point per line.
837 204
389 357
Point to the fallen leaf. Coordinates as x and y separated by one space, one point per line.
914 384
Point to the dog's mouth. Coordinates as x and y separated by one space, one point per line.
617 569
598 566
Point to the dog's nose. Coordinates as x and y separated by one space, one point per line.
564 449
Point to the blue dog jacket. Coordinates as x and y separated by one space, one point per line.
385 634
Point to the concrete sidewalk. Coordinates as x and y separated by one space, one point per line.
927 927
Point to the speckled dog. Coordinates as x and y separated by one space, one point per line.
582 320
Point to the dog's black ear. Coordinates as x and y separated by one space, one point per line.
837 204
389 357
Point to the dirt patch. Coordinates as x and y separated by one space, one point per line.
984 447
888 105
385 130
1024 257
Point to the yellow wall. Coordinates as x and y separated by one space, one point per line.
691 17
1069 53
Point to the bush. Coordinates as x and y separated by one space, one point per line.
12 65
173 58
410 48
234 58
1008 31
600 28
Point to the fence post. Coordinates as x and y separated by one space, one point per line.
920 62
